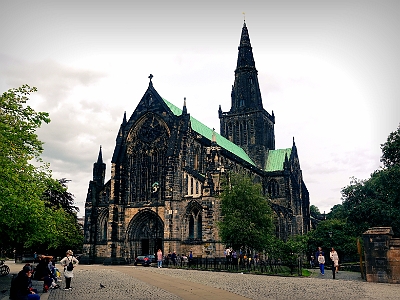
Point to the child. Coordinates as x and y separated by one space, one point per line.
312 262
321 261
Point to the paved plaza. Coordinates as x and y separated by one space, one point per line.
129 282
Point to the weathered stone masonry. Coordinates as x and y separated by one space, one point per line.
166 172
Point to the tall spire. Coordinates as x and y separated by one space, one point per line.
248 124
100 157
246 93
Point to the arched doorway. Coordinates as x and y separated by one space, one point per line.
145 234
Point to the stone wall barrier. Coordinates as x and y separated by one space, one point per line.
382 255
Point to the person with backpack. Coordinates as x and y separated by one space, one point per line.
68 262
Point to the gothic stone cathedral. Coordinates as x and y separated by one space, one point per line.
166 169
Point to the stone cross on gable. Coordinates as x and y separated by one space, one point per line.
150 83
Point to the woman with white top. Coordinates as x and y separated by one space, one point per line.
68 272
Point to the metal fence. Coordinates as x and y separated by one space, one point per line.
270 266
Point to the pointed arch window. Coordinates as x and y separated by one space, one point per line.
195 221
196 161
146 154
104 233
191 227
273 188
199 226
102 227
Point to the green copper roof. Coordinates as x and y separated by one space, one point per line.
207 133
276 158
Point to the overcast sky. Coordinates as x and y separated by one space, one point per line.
328 69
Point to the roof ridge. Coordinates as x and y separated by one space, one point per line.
207 132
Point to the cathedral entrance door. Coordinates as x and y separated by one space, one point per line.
145 247
145 234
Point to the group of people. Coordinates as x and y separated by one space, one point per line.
231 256
21 286
173 257
244 259
320 258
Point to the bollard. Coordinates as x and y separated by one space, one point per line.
333 269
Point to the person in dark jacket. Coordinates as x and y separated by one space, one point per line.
173 258
22 286
42 272
317 253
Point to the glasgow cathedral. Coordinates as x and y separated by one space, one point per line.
166 175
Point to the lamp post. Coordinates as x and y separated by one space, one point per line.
333 263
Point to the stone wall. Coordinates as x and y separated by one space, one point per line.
382 255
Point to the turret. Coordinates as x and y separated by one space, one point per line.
99 170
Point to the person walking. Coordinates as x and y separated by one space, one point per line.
319 250
321 261
173 258
159 258
68 263
190 259
312 262
335 258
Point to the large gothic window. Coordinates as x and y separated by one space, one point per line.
147 144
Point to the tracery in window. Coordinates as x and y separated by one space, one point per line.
195 220
273 188
146 151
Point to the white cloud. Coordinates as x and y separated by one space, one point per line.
329 74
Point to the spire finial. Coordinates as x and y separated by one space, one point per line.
100 157
184 110
150 77
244 17
213 137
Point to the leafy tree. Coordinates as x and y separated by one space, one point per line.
57 196
25 220
342 239
391 149
21 183
337 212
314 210
246 214
376 201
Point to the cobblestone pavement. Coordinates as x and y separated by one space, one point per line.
128 282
